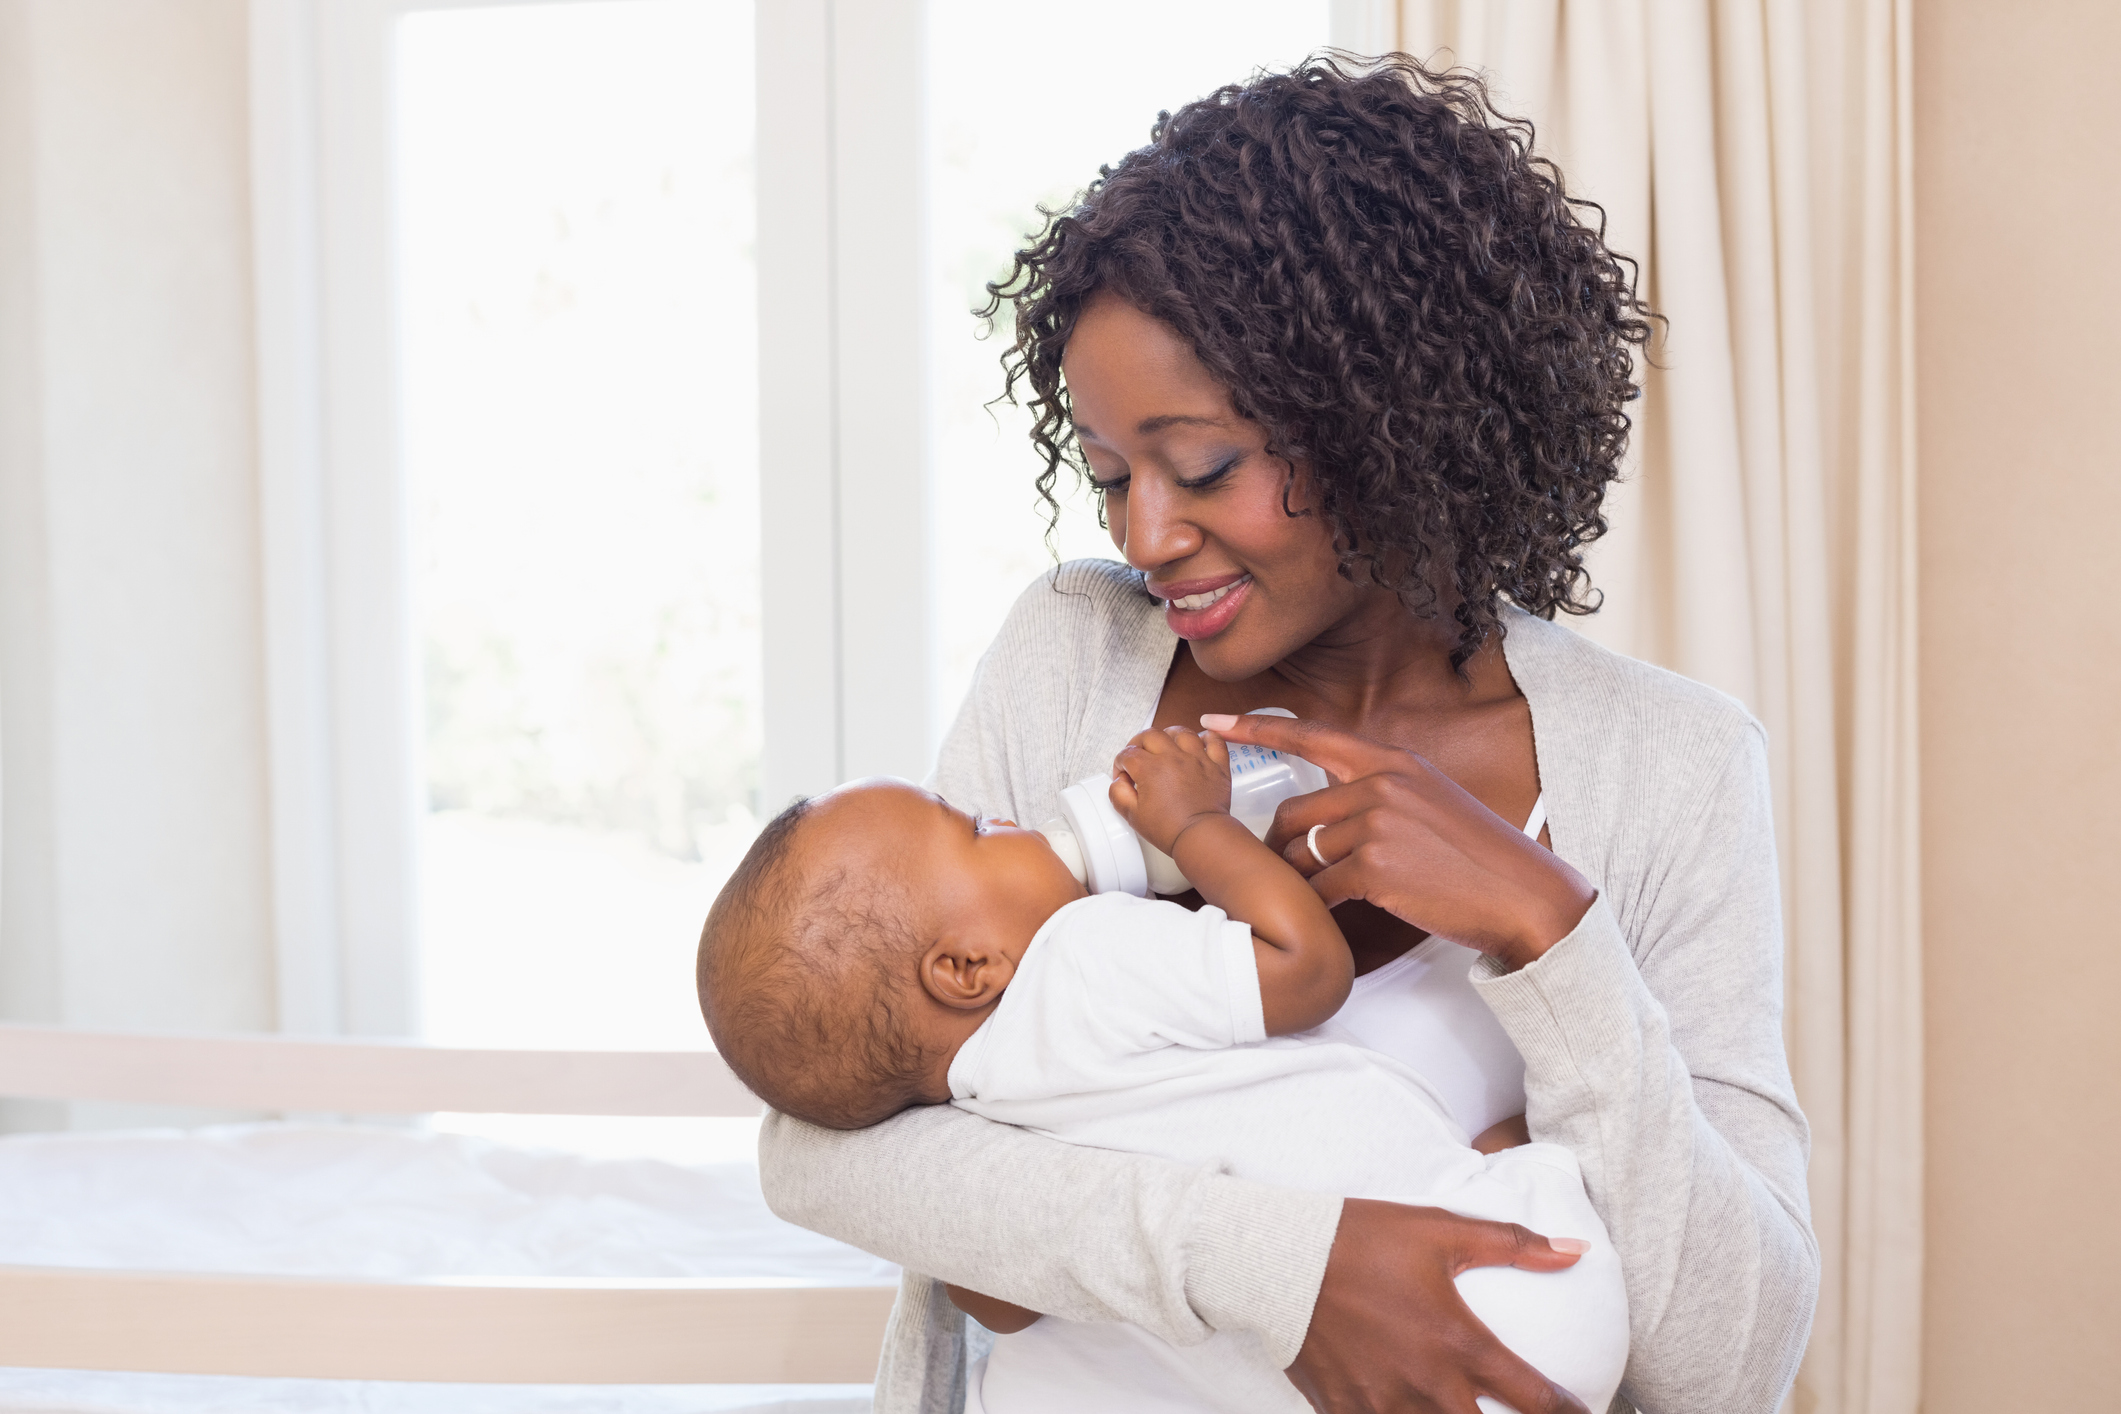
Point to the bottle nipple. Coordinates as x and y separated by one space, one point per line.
1067 847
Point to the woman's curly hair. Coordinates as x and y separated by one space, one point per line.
1383 275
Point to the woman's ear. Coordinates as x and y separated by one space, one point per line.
965 973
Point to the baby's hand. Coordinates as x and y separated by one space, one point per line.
1165 780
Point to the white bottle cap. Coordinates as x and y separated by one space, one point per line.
1105 855
1112 854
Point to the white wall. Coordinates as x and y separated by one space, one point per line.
2018 191
133 863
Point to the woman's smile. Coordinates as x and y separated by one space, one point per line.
1202 608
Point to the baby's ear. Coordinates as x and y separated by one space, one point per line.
964 973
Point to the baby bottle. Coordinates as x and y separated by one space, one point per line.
1105 854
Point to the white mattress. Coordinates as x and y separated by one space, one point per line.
356 1201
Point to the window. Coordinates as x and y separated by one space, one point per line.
577 340
625 453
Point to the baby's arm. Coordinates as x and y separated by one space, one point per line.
1173 787
1001 1317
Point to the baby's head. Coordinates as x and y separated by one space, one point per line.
864 936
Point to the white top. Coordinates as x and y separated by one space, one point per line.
1136 1025
1421 1010
1122 1006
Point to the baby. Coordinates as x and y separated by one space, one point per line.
878 949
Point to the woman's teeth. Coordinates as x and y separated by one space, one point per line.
1202 601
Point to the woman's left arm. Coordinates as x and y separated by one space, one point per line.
1660 1065
1662 1068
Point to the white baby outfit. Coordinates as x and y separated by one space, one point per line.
1136 1025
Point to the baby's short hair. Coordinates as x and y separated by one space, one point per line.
804 967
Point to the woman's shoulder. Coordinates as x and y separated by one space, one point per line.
1084 614
1095 594
1659 789
1634 758
1569 678
1074 672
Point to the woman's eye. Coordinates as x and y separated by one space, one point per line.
1209 478
1106 488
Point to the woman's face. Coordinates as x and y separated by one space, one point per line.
1193 498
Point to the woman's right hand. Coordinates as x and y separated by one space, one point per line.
1407 838
1390 1333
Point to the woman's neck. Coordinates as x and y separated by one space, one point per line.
1382 661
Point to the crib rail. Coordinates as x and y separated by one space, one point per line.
480 1330
465 1330
287 1073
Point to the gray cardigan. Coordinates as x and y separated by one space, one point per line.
1652 1038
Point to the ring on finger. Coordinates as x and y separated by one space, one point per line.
1311 843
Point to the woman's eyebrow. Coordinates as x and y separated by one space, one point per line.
1150 425
1177 419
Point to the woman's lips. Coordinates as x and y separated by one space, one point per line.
1211 617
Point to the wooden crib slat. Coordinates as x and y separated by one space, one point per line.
359 1077
482 1331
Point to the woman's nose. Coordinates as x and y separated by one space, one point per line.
1157 533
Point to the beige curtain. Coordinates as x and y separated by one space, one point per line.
1754 156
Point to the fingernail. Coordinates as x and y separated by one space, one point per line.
1574 1246
1217 721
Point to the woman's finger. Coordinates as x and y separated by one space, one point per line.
1322 845
1299 813
1344 755
1499 1372
1340 881
1481 1243
1507 1378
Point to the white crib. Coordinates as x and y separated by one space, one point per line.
469 1329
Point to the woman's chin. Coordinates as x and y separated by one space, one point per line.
1230 656
1230 641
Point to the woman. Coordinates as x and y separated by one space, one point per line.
1349 374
